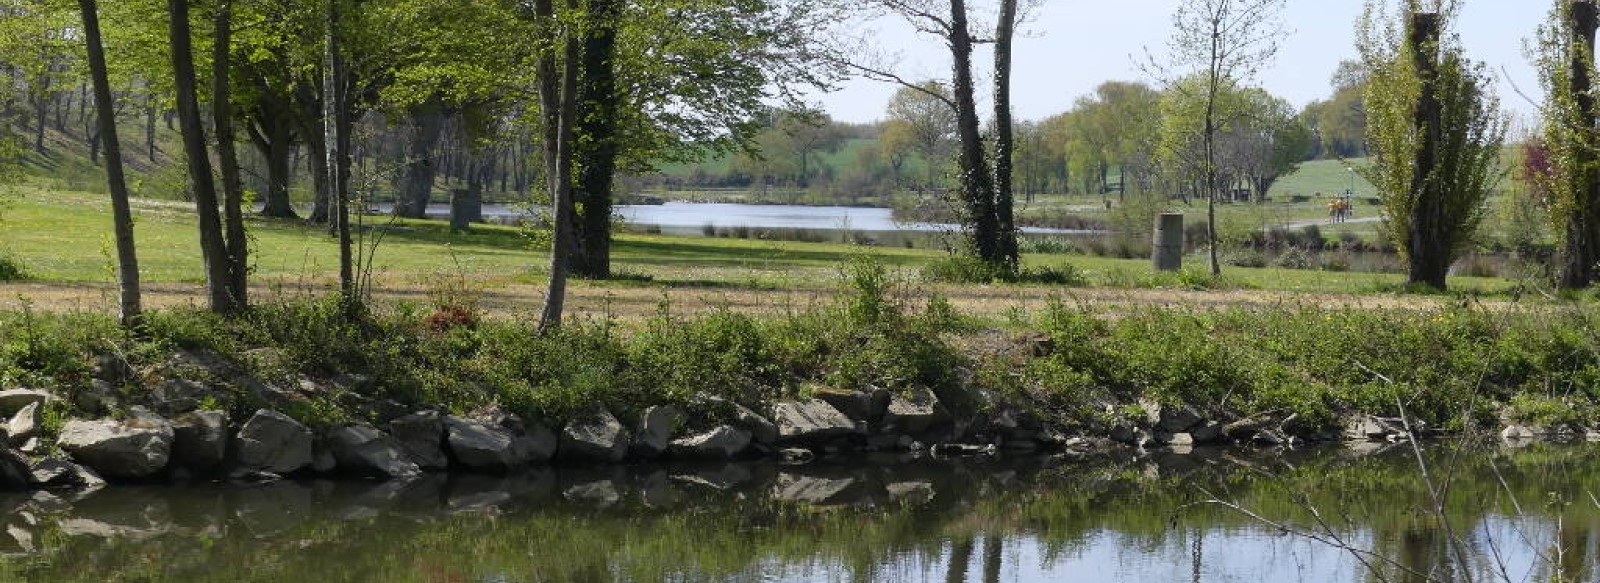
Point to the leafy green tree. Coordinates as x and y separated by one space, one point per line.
1216 46
1434 130
1340 122
1569 161
923 112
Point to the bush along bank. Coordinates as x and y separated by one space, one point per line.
298 388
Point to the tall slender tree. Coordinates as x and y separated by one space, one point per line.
213 248
558 100
1220 44
237 248
122 217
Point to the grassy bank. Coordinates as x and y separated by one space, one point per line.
1082 368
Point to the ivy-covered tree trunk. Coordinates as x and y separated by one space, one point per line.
596 147
130 304
1582 229
1004 147
1428 250
977 186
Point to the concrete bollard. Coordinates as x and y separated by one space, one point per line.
1166 249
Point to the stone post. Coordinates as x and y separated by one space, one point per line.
1166 248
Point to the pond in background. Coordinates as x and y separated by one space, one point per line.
889 518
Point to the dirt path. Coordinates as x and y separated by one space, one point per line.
641 301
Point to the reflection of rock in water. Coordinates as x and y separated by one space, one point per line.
813 490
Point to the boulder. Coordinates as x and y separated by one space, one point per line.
810 422
1180 440
762 430
272 442
25 424
421 436
868 405
723 442
1176 419
135 449
1373 428
536 445
200 440
594 436
1515 432
480 446
1207 432
14 471
656 429
363 450
99 398
916 411
54 473
175 396
13 400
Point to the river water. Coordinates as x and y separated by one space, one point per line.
693 218
1119 517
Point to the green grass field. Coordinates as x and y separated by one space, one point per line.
65 237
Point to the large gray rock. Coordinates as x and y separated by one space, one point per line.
868 405
273 442
13 400
54 473
25 424
14 471
810 422
656 429
536 444
480 446
363 450
915 412
762 430
200 440
721 443
1177 419
594 436
421 436
135 449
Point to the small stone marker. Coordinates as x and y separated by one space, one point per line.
1166 250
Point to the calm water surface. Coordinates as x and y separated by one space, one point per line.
894 519
693 218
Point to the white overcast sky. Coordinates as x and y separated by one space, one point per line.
1074 45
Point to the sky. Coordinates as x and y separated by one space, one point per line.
1071 46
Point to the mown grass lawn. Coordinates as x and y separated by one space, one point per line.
65 237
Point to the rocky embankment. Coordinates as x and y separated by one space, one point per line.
168 435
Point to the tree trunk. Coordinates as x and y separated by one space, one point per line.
122 216
1003 143
1427 250
560 110
417 185
1582 237
228 157
336 138
596 154
41 113
212 247
977 189
150 126
275 143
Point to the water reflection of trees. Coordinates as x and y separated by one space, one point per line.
880 520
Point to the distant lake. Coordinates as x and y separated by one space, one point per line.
692 218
